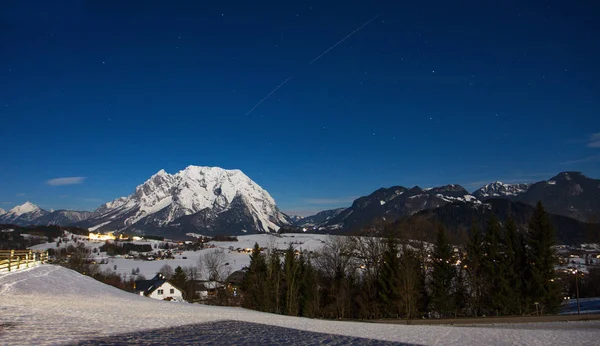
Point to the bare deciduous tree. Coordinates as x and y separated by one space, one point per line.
166 271
336 261
369 251
215 265
336 258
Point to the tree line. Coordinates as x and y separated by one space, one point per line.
500 271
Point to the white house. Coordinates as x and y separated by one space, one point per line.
158 288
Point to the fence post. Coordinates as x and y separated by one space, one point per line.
10 259
27 260
18 262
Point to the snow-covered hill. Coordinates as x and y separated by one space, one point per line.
50 305
23 214
199 199
2 211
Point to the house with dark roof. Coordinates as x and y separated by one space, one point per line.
236 279
234 285
158 288
204 290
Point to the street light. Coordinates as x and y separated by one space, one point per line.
577 290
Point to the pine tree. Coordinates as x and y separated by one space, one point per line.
461 295
542 258
274 278
474 262
291 276
442 276
494 268
179 279
309 289
512 255
389 280
410 281
524 272
254 284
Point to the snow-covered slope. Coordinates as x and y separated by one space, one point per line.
50 305
2 211
499 189
196 198
23 214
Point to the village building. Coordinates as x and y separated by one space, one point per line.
101 237
204 290
158 288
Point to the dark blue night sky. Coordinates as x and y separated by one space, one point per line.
423 93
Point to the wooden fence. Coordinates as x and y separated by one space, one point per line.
11 260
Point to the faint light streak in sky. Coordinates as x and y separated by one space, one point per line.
314 60
268 95
344 38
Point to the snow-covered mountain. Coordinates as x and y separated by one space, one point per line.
62 217
2 211
389 204
295 218
570 194
23 214
319 218
498 189
198 199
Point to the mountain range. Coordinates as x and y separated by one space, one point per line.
212 200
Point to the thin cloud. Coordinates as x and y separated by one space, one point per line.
20 194
65 181
583 160
594 140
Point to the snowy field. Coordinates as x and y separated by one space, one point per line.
236 260
50 305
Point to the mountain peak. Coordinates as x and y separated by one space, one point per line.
210 198
23 214
2 211
568 176
449 187
500 189
208 169
24 208
160 173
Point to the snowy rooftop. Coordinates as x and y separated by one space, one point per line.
49 305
